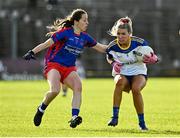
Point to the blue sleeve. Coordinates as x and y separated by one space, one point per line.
90 42
59 36
145 43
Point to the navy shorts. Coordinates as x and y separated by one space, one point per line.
129 78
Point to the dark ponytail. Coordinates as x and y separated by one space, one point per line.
67 22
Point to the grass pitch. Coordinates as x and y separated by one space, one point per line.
19 100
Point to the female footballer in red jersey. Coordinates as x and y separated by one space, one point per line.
66 43
132 73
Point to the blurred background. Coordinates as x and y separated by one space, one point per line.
23 26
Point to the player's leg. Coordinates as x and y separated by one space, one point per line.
74 82
64 89
138 83
120 85
53 78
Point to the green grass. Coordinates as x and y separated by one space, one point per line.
19 100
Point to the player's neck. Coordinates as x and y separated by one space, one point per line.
76 30
124 45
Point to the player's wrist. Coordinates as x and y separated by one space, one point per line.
31 52
112 63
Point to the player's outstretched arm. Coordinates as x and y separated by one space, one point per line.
31 53
100 47
42 46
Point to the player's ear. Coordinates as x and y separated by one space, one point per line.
76 22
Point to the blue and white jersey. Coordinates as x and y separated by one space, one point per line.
68 46
127 57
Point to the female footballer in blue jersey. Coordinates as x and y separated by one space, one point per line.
67 41
128 72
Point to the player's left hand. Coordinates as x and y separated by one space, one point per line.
29 55
152 59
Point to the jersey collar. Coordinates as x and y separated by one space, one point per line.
124 48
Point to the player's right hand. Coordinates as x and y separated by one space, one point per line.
29 55
116 66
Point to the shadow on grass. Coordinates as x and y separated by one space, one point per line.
130 131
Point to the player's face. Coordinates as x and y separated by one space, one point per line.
82 24
123 36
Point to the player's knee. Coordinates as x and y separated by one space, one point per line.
55 90
136 91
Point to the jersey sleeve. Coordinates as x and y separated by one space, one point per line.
108 50
108 55
90 42
145 43
110 46
59 36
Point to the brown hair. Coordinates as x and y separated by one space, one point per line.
66 22
122 23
